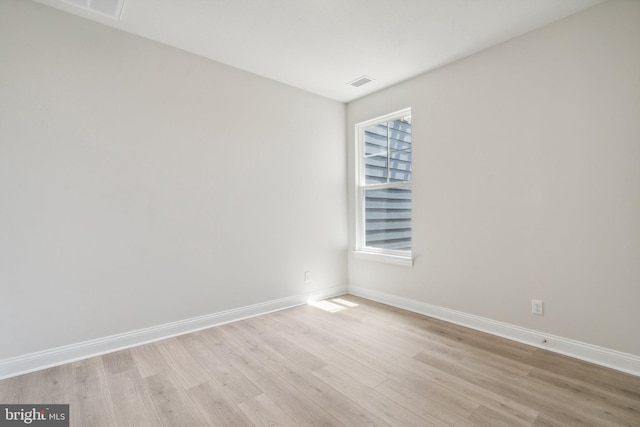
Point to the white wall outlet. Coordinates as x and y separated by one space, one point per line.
536 307
307 277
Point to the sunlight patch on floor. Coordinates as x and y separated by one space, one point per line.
344 302
327 306
336 304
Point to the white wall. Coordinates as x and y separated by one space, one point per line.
141 185
527 181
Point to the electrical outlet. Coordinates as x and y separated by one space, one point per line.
307 277
536 307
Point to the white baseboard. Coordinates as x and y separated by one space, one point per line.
44 359
69 353
620 361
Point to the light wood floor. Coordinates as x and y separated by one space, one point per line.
368 364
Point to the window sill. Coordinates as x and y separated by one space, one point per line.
406 261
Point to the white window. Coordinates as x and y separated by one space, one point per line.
383 188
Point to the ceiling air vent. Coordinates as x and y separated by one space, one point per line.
110 8
360 81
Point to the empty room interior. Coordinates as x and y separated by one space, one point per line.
390 213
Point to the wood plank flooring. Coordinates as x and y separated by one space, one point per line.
352 362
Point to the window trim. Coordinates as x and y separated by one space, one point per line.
361 251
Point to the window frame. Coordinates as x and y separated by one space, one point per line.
393 256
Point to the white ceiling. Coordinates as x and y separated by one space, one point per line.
321 45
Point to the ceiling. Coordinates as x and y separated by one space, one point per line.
321 45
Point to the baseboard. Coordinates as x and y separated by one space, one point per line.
591 353
45 359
